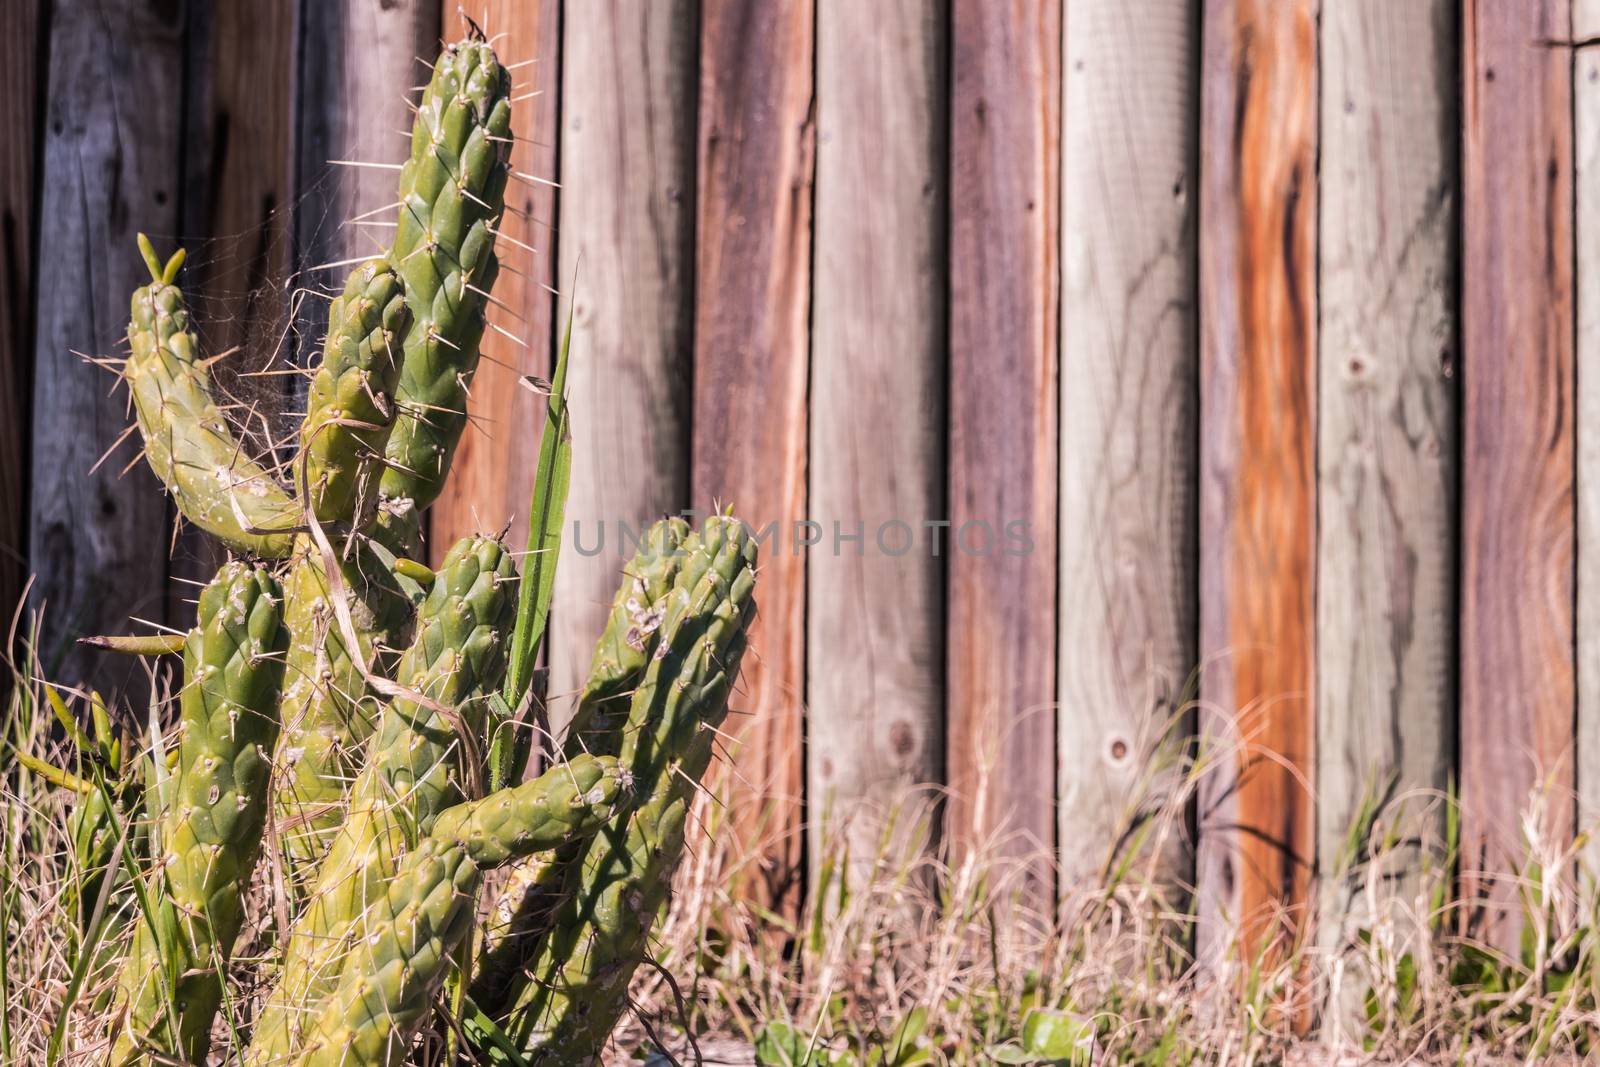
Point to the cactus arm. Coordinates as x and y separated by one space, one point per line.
414 769
187 440
600 930
452 191
328 708
350 406
568 802
211 829
390 978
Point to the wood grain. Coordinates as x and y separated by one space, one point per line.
1129 409
236 207
21 94
1586 182
1518 688
110 169
1258 212
752 349
492 476
1005 129
627 252
874 626
360 62
1386 470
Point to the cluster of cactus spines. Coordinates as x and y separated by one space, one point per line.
452 192
211 828
357 702
187 438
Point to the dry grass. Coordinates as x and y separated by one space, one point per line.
915 954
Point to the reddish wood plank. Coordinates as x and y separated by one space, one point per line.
874 625
99 541
20 98
1005 71
492 475
752 343
1258 212
1517 570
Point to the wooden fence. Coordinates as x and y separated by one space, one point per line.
1275 326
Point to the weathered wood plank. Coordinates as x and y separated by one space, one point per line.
752 341
1258 213
492 475
1129 403
874 626
1517 570
1387 429
21 92
627 248
113 109
238 192
1586 182
1005 129
359 63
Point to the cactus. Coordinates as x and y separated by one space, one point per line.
387 774
211 829
452 191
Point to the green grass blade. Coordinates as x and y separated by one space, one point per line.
546 512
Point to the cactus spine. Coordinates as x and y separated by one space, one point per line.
308 679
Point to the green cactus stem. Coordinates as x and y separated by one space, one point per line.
392 974
568 802
600 930
329 710
211 826
415 767
187 440
452 191
350 406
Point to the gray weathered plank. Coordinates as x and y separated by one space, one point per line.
1518 687
1005 130
238 192
492 475
359 63
99 541
1258 319
627 225
1586 126
1128 423
752 354
21 91
1387 430
875 641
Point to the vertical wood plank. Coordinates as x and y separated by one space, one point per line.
1005 96
360 62
21 88
1257 454
752 341
492 475
99 541
874 627
1586 124
627 224
1517 572
236 205
1387 425
1128 421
